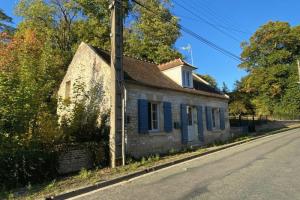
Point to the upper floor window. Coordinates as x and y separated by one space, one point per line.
186 78
68 90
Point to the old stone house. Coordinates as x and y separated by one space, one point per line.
167 106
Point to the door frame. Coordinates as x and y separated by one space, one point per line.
193 128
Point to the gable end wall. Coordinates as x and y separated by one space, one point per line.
87 68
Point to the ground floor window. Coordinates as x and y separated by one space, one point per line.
153 116
190 115
214 115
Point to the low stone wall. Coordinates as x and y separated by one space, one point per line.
271 125
74 158
238 131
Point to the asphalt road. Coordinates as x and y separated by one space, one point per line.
268 168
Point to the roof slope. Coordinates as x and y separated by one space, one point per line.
147 73
204 87
174 63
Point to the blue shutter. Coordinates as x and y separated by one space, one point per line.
200 124
222 118
208 111
143 116
168 117
184 124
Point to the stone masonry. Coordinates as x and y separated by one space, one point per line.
88 67
139 145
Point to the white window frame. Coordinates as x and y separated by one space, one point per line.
190 117
215 118
157 116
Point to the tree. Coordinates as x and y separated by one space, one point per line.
237 108
94 28
225 89
54 19
34 59
69 22
211 80
270 58
4 22
27 79
149 36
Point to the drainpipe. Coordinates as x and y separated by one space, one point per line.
124 100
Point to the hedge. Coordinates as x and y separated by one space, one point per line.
26 165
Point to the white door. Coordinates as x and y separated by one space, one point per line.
190 123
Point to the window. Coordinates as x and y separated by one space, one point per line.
190 115
214 117
153 116
186 78
68 90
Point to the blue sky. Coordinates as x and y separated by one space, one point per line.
244 15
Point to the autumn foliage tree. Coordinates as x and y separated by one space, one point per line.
270 58
27 80
33 60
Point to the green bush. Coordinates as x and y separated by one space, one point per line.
82 120
23 164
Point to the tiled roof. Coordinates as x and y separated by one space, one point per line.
198 85
173 63
149 74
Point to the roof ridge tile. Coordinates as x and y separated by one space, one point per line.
171 61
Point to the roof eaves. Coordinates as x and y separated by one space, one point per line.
184 90
200 79
188 64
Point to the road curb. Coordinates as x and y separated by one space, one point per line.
127 177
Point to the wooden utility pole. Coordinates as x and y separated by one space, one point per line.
116 114
298 69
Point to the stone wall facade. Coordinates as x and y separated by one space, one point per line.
86 69
74 159
138 145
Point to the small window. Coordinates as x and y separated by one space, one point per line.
153 116
68 90
186 78
214 115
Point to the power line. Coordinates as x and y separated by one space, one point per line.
222 19
226 19
219 25
211 44
207 22
195 35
